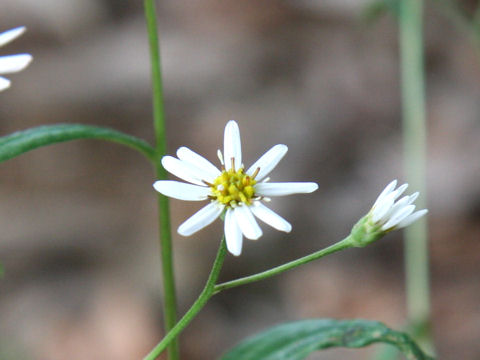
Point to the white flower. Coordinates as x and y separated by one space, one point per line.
392 214
12 63
232 190
386 214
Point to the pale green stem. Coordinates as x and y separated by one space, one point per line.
201 301
170 302
414 135
341 245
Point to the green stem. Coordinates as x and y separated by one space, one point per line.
170 302
414 135
344 244
202 299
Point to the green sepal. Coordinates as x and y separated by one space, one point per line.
365 232
297 340
22 141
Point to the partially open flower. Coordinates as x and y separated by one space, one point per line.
387 214
12 63
232 190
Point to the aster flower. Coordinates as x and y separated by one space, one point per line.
12 63
232 190
387 214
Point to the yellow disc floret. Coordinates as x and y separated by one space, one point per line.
234 187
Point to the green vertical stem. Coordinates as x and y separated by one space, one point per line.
170 303
198 305
414 135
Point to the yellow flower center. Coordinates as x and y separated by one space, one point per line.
234 187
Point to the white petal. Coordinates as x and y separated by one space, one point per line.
232 147
269 217
286 188
205 216
412 218
247 222
403 202
14 63
399 191
4 83
382 208
12 34
388 189
268 161
398 216
185 171
191 157
182 191
413 197
233 234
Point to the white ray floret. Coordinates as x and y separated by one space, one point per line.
268 161
205 216
391 214
12 63
234 245
236 193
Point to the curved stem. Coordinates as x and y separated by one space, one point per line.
170 301
343 244
202 299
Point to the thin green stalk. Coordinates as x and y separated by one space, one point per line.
341 245
414 136
202 299
170 302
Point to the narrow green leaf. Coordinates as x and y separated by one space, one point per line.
2 270
22 141
295 341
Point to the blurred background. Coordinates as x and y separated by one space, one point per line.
78 220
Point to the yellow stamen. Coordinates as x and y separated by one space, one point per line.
232 188
207 183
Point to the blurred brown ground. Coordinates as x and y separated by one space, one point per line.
78 220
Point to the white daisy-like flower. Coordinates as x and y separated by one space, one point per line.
232 190
12 63
392 214
386 214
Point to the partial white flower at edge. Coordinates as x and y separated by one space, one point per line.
232 190
12 63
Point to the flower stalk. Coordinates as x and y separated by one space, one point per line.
341 245
170 302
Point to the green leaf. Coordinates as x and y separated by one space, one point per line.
2 270
22 141
295 341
